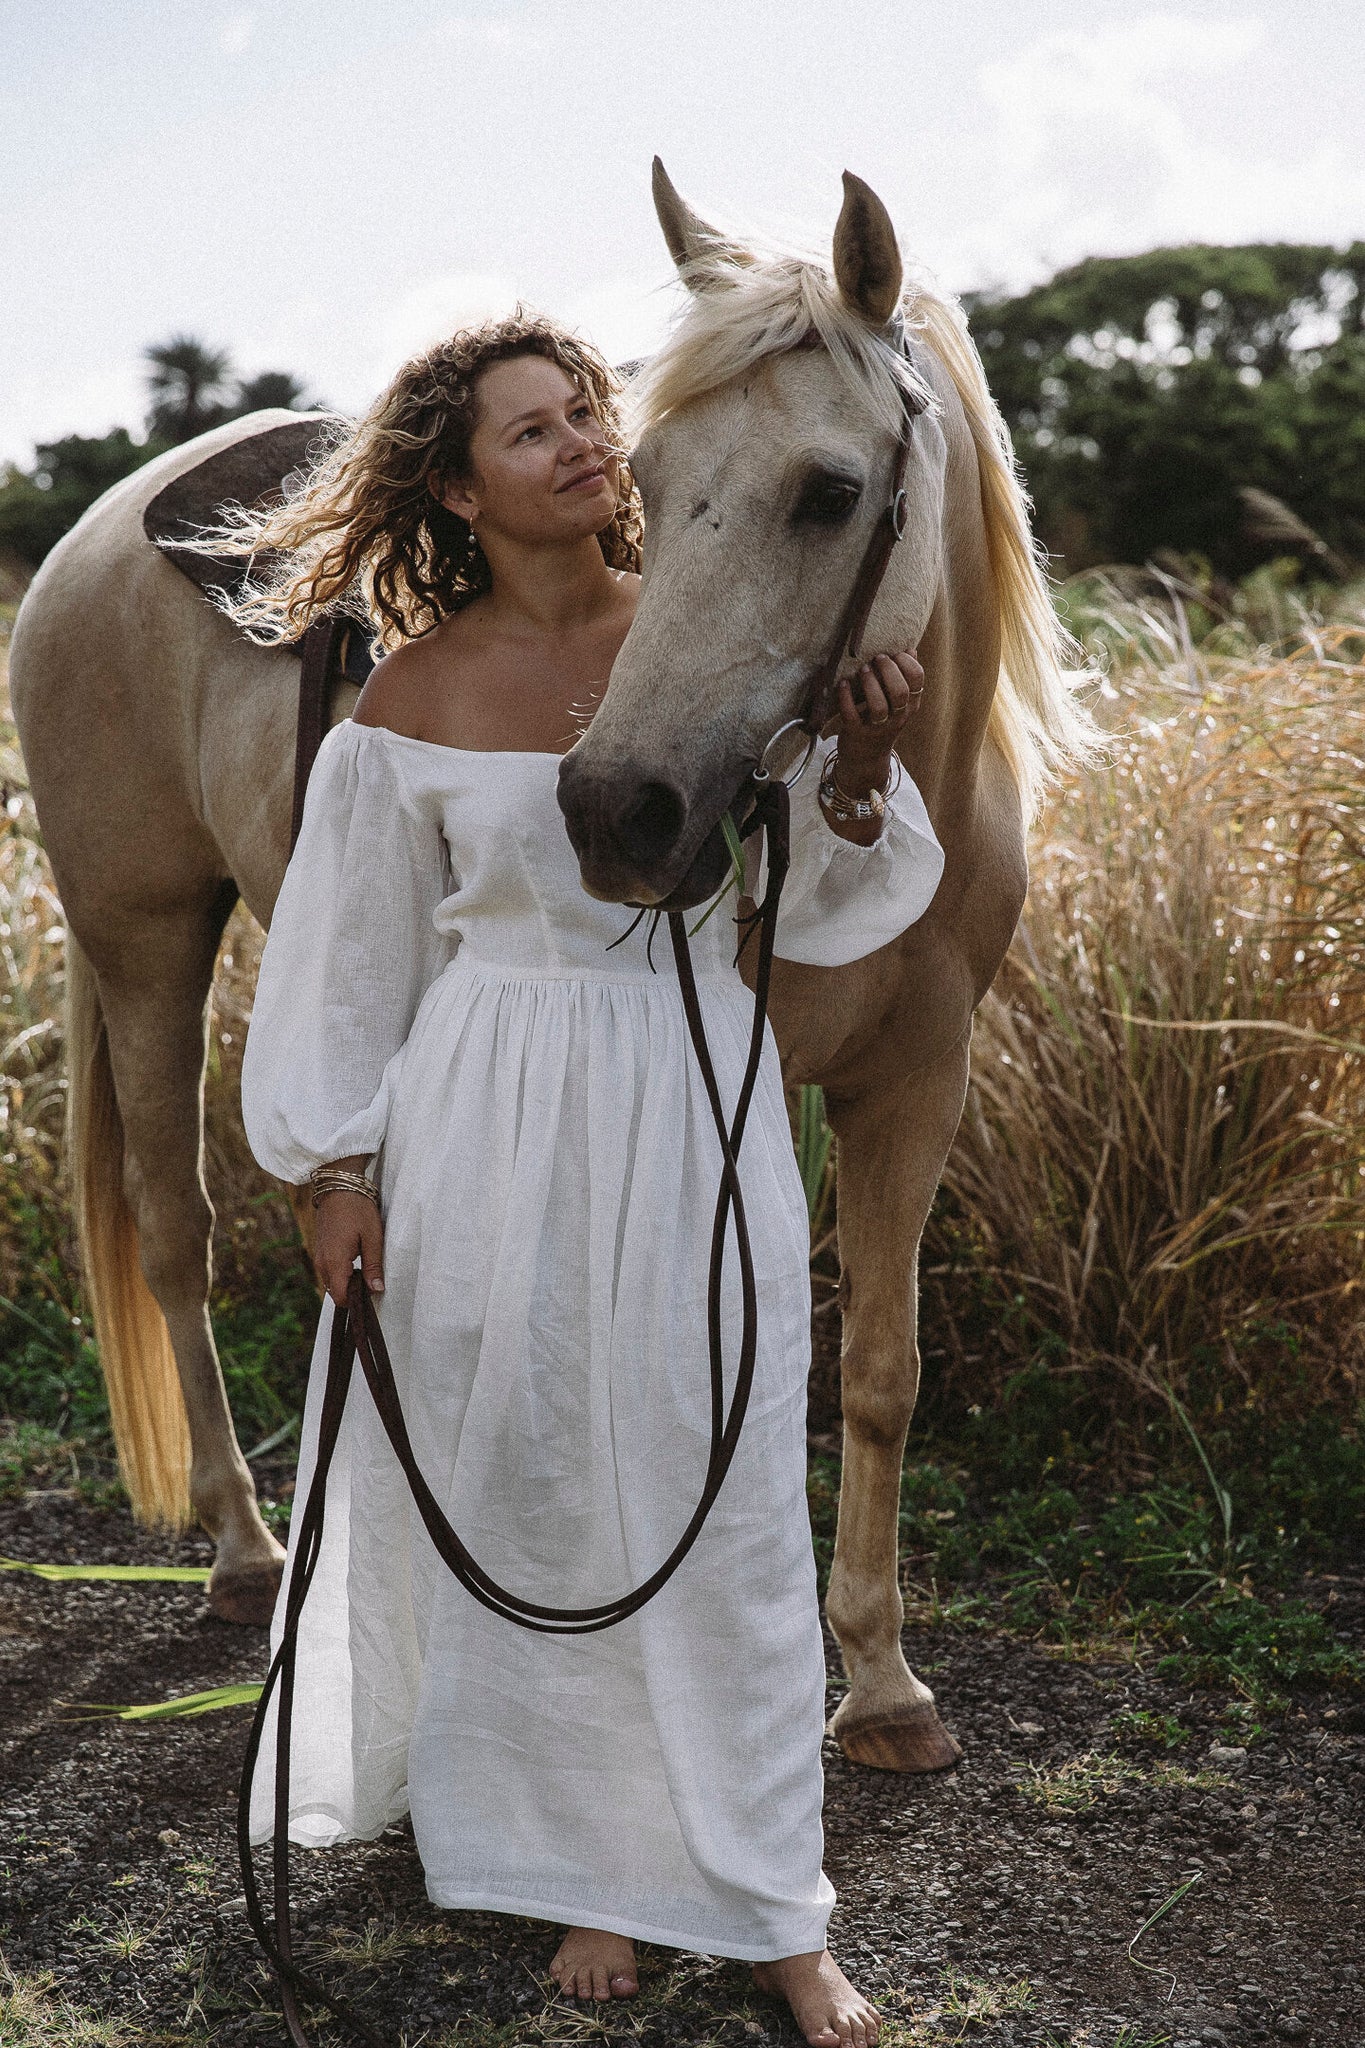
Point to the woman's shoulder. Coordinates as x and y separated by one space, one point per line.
399 687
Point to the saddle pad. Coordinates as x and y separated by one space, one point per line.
248 473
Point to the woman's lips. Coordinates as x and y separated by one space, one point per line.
596 475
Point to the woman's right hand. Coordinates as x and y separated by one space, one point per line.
348 1223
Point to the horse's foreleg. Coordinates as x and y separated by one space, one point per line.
891 1153
154 1001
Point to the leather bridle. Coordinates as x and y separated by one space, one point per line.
881 543
356 1332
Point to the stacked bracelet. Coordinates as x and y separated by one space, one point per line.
327 1180
846 809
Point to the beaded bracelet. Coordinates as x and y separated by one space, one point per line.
328 1180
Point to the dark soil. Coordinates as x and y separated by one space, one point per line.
995 1905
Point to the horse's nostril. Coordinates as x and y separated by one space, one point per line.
647 828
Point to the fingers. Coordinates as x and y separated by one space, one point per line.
875 702
907 666
372 1252
348 1225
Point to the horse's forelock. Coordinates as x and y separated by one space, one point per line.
753 306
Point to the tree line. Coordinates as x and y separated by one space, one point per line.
190 388
1204 400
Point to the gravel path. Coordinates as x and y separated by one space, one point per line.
994 1905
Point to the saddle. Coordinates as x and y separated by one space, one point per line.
253 472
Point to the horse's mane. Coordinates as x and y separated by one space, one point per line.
749 304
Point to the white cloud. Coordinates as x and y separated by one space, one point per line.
1129 133
236 32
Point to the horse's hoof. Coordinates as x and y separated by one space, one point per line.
246 1594
907 1739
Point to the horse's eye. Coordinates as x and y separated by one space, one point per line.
826 501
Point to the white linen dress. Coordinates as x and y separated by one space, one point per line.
436 994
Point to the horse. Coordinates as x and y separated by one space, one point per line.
768 426
160 749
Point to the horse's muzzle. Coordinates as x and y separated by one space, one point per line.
636 838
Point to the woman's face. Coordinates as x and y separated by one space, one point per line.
540 469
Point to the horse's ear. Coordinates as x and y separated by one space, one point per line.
867 263
691 242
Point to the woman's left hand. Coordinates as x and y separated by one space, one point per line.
874 705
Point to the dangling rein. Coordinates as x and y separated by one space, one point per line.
356 1333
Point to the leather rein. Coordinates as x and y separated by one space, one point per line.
356 1332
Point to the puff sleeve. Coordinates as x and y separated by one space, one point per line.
841 900
350 952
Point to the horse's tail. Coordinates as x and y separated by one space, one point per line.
146 1406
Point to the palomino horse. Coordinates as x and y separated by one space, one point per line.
159 744
769 426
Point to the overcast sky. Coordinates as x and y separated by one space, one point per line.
322 186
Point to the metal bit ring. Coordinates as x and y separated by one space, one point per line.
762 773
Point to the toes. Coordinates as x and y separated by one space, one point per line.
601 1988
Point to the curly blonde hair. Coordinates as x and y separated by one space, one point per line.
361 532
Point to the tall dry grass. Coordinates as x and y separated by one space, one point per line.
1159 1182
1159 1179
32 1086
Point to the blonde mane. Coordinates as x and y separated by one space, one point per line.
748 304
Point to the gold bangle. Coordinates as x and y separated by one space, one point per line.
331 1180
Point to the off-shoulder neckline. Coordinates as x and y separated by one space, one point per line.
441 746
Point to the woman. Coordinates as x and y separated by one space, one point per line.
440 1001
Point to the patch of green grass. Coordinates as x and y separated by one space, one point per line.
1259 1650
1009 1525
1137 1725
33 2014
1083 1781
49 1368
1241 1729
1201 1780
961 2003
126 1939
381 1942
34 1456
1080 1783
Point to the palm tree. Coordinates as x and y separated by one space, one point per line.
188 385
270 388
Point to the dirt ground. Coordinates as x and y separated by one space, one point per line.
996 1905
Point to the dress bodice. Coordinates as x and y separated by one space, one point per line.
515 898
414 858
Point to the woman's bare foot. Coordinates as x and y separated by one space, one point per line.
829 2012
590 1963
